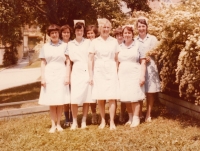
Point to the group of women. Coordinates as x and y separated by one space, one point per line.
98 70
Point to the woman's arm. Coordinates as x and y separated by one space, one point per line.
90 67
116 60
68 70
143 71
43 64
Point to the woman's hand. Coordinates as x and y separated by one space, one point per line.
142 81
91 81
43 82
148 59
67 81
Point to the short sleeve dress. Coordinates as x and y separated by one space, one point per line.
106 84
55 92
129 73
152 81
80 89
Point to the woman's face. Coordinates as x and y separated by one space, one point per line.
128 35
142 29
79 32
105 30
90 34
54 36
66 34
119 38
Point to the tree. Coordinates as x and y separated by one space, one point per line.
12 17
14 14
138 5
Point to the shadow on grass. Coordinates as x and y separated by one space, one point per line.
20 93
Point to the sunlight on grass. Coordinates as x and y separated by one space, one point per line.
35 64
21 93
166 132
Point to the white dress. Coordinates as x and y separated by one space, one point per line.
55 92
129 73
106 84
80 88
152 80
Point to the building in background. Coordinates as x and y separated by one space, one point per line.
31 37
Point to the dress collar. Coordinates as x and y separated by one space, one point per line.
59 42
142 40
128 47
77 43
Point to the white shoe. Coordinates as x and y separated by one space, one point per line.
52 129
102 125
112 127
83 125
73 127
59 128
128 123
135 122
148 119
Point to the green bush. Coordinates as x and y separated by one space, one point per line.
10 56
177 28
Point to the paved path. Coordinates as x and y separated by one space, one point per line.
17 75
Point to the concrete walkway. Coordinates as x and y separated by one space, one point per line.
17 75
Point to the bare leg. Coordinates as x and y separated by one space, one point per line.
59 110
53 119
130 113
150 101
74 108
101 104
112 106
85 112
136 112
94 116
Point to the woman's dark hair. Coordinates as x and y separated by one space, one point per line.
63 28
129 29
52 27
118 31
142 21
92 28
79 25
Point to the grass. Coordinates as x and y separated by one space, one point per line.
35 64
20 93
167 132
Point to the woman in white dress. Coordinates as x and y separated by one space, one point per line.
119 36
55 76
80 88
65 35
152 84
91 33
131 72
104 77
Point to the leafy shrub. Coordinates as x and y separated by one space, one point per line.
177 28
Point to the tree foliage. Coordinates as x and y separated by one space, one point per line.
138 5
14 14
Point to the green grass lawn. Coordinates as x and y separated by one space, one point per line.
167 132
20 93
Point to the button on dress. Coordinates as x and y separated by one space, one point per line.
129 73
152 80
106 84
80 88
55 92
